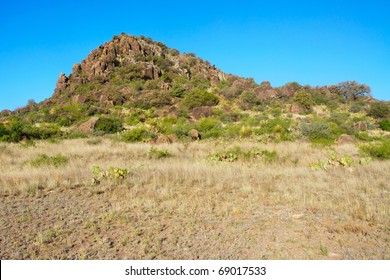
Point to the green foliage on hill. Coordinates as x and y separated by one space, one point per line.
153 90
199 97
108 125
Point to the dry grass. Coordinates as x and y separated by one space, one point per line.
188 207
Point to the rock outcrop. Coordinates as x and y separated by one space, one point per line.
137 56
88 126
345 139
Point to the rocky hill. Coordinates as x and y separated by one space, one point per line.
125 59
135 82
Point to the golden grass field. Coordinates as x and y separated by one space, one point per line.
189 207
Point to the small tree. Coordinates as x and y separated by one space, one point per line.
351 90
304 99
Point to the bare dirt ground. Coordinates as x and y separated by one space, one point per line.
186 207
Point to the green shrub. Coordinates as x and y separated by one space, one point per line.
379 110
209 127
385 125
181 128
249 99
114 173
137 134
177 91
16 132
361 135
280 128
304 99
245 131
154 98
166 125
356 107
237 153
108 125
198 97
232 130
319 132
156 153
43 159
226 156
320 98
379 150
3 131
335 160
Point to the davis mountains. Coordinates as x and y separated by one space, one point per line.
108 167
134 82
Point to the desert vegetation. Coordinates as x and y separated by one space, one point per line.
103 198
144 152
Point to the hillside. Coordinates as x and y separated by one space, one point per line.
146 90
145 153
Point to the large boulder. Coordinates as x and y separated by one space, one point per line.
296 108
360 125
88 126
163 139
345 139
203 111
166 139
194 134
62 83
266 91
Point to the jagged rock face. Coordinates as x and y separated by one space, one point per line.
150 61
295 108
88 126
62 83
266 91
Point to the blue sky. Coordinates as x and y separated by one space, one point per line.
310 42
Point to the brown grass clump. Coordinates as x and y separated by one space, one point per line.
185 206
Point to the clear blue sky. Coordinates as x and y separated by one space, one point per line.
310 42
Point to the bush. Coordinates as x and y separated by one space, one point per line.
385 125
3 131
320 98
177 91
380 150
356 107
43 159
198 97
135 118
108 125
209 127
114 173
232 130
181 128
153 98
156 153
249 99
319 132
236 153
16 132
379 110
304 99
165 126
137 134
245 131
278 127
